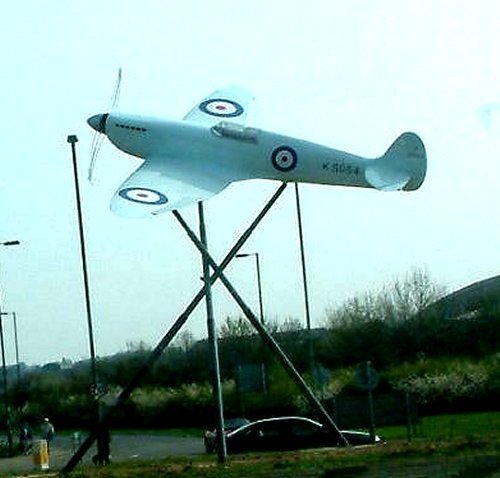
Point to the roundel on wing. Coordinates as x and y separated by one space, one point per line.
284 158
143 196
221 107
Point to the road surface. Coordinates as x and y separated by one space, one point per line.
123 447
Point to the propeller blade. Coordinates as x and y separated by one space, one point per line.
116 92
100 133
94 151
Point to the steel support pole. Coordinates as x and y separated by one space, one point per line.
168 337
304 279
303 258
213 346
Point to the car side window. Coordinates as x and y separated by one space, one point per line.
270 430
305 428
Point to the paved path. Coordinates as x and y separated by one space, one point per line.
123 447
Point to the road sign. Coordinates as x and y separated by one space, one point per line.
366 376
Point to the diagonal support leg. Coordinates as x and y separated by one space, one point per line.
168 337
268 339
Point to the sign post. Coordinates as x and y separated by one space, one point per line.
367 379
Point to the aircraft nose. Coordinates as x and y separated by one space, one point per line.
98 122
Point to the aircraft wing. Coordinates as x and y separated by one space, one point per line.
161 185
227 104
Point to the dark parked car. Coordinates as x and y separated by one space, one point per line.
288 433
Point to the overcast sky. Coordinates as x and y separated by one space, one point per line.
352 75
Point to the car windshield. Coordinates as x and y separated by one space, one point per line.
234 423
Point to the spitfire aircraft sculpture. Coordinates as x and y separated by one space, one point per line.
189 161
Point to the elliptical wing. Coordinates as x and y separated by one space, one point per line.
227 104
157 186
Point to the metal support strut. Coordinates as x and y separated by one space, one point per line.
181 320
267 338
168 337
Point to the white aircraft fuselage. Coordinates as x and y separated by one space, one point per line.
241 152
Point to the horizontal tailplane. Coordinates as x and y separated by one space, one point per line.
403 166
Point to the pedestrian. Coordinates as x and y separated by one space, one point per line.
26 438
103 439
48 432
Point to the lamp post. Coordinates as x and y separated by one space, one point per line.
16 344
259 284
4 368
72 139
5 390
95 387
10 243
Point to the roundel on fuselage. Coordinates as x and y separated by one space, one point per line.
284 158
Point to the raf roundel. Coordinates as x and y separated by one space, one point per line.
284 158
221 107
143 196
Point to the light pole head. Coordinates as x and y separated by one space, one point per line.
72 138
10 243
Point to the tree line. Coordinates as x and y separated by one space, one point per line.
445 363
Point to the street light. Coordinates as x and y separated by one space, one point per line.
96 388
5 390
4 368
16 344
72 139
259 284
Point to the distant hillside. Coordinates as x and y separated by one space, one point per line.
468 299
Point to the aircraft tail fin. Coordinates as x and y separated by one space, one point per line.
403 166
